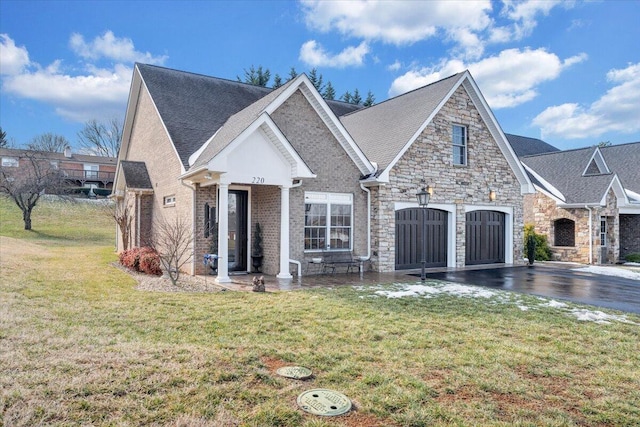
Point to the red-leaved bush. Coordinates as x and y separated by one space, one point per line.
145 260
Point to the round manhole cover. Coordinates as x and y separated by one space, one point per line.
324 402
296 372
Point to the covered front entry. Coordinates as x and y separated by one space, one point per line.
485 237
409 238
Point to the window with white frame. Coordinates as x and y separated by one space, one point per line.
459 139
603 231
169 200
328 221
10 162
91 171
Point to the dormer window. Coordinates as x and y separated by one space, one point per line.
459 139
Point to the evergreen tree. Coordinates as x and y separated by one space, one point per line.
258 77
277 81
292 74
346 97
3 138
316 79
370 99
329 92
356 98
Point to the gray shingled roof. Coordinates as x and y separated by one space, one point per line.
136 175
235 125
382 130
624 160
525 146
193 106
564 169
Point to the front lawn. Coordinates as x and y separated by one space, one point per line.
79 345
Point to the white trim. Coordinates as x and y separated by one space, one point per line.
629 210
451 209
550 188
600 162
508 226
328 199
334 125
384 176
270 131
618 190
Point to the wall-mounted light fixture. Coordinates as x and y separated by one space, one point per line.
492 195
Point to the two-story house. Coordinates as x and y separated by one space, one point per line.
88 173
320 175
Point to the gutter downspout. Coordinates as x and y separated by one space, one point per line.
193 228
590 234
138 221
363 259
294 261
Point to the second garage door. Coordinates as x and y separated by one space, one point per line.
485 237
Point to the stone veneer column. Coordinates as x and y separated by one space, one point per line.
223 235
284 234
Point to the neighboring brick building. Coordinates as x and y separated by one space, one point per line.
83 171
320 175
587 201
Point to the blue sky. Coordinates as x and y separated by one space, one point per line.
566 71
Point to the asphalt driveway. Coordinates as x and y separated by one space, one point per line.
555 282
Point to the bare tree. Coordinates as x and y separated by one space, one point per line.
101 139
121 213
26 181
49 142
172 241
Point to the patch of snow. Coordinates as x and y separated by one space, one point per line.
437 288
598 316
555 304
610 271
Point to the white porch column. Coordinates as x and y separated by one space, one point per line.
223 234
284 234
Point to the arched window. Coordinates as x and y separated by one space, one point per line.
565 232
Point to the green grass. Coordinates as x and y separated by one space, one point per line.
80 346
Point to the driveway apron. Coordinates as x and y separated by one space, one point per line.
554 282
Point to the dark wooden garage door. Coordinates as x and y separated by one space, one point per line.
409 238
485 234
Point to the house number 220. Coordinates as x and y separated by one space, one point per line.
258 180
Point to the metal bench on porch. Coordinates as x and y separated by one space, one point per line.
333 259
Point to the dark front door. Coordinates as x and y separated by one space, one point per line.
238 230
485 234
409 238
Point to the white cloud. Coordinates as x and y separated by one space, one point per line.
395 66
111 47
506 80
470 26
97 92
400 22
524 13
314 55
616 111
13 59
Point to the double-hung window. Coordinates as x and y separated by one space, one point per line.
459 139
10 162
328 221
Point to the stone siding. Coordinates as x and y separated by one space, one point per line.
543 212
429 161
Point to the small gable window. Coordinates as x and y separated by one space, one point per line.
169 200
565 232
459 145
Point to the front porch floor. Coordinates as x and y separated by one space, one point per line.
243 282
